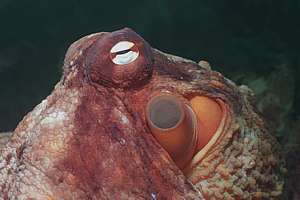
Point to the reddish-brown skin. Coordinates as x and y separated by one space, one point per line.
90 140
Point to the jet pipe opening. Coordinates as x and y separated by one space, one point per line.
165 112
174 125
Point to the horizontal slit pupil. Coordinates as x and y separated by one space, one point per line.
123 52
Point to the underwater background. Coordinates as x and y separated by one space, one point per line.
252 42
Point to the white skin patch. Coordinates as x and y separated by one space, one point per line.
123 117
123 53
40 108
55 117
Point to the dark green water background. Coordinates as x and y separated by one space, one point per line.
253 42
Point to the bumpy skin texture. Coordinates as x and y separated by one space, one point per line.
4 137
89 139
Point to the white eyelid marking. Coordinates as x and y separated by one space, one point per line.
125 58
124 52
121 46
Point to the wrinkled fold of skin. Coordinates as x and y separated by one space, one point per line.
89 139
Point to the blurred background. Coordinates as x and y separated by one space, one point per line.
252 42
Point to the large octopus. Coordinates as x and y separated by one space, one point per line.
127 121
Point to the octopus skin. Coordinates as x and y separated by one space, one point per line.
90 139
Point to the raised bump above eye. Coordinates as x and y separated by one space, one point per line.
124 52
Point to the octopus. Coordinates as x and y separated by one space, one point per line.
127 121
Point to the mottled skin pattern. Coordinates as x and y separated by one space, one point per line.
4 137
89 139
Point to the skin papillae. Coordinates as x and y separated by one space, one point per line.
89 139
4 137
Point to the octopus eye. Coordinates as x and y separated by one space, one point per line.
124 52
120 59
